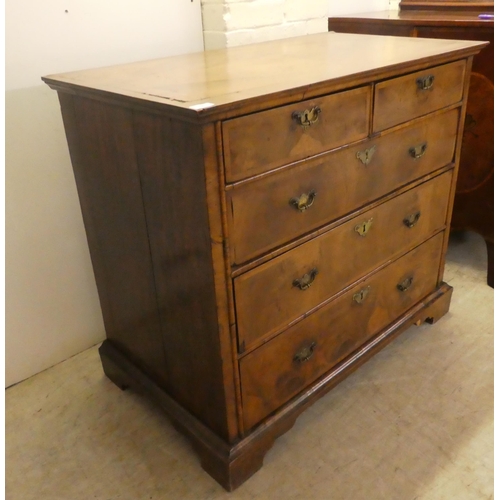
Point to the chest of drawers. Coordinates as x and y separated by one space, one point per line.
264 219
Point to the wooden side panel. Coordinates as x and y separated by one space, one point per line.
458 149
100 139
217 218
170 155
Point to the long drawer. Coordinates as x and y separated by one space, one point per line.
290 203
290 285
259 142
280 369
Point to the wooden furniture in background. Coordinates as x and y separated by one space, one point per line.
457 5
473 208
264 219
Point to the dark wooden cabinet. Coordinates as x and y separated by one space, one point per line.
443 5
473 207
258 233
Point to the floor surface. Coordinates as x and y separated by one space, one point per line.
415 422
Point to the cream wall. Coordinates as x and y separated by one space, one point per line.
52 308
227 23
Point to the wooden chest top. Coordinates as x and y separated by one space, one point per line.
217 81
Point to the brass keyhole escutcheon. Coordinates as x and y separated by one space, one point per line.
307 117
365 157
304 201
405 284
305 353
360 296
425 82
307 280
363 228
412 219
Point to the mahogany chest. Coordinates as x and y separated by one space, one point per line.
264 219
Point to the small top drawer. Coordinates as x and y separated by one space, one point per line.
404 98
262 141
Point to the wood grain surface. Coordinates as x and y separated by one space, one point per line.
198 276
449 17
439 5
262 141
340 256
272 374
227 78
401 99
341 182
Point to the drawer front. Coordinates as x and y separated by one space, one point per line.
262 141
334 185
280 369
404 98
278 292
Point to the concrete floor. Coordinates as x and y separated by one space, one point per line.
415 422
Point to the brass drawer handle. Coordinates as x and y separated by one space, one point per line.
307 280
412 219
365 157
307 117
305 353
425 82
304 201
360 296
405 284
363 228
417 152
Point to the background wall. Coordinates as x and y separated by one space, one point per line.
227 23
52 309
341 7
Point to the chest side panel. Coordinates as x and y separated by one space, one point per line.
100 139
170 156
141 184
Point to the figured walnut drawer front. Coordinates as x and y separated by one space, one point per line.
280 369
259 142
262 216
417 94
278 292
